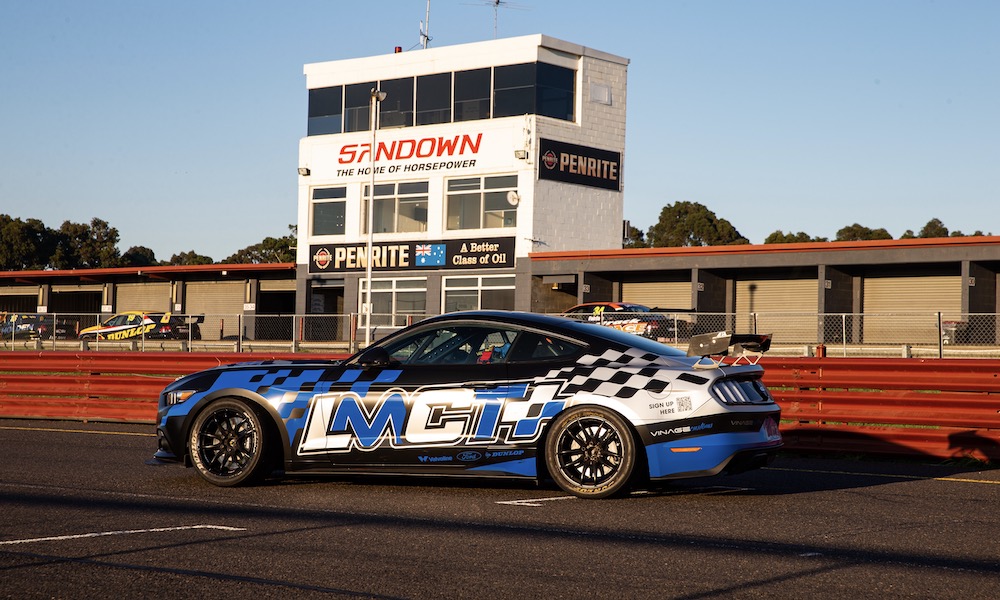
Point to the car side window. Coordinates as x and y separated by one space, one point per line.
536 347
454 345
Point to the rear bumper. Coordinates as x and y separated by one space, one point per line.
728 453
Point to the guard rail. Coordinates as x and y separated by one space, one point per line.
944 408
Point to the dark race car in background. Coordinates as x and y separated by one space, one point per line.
37 326
480 394
136 325
653 323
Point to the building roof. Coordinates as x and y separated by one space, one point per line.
154 272
528 48
874 252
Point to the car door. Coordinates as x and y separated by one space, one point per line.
416 403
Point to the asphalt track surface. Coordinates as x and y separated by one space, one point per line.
82 516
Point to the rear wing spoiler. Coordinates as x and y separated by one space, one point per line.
744 346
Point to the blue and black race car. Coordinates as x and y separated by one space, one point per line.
488 394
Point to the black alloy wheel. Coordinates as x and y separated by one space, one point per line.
590 452
228 444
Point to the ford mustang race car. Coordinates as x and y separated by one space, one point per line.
134 324
486 393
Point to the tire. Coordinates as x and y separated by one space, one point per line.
590 452
229 445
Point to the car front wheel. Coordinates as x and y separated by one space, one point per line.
228 444
590 452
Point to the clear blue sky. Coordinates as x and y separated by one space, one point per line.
178 122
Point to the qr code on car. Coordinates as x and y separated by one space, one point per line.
683 404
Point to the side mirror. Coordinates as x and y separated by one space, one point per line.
376 356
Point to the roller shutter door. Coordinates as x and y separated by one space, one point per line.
904 309
787 308
18 290
151 297
662 294
277 285
87 287
222 304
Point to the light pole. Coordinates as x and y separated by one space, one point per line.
377 96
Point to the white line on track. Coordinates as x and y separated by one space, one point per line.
96 534
534 501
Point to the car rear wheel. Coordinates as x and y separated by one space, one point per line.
590 452
228 444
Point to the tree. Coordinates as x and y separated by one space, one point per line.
860 233
139 256
692 224
780 237
933 229
634 238
271 250
81 246
190 258
25 245
936 229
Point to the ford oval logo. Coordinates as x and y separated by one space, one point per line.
469 456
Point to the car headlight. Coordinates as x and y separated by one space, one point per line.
178 396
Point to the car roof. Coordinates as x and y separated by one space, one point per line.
587 332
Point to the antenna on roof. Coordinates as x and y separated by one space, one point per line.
425 28
496 4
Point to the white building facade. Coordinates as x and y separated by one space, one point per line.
485 153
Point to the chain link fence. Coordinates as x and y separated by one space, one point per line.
794 334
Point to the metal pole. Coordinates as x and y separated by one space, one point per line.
377 96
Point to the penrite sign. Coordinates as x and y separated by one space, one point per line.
489 253
582 165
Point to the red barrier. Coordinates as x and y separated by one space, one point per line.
103 386
942 408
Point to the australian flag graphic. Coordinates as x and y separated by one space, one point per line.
430 255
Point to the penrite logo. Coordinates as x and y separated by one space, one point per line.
549 160
582 165
323 258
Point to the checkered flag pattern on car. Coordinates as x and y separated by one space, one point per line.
613 374
629 357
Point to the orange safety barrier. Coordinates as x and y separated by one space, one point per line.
102 386
946 408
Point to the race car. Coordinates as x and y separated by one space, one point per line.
36 327
480 394
632 318
136 324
